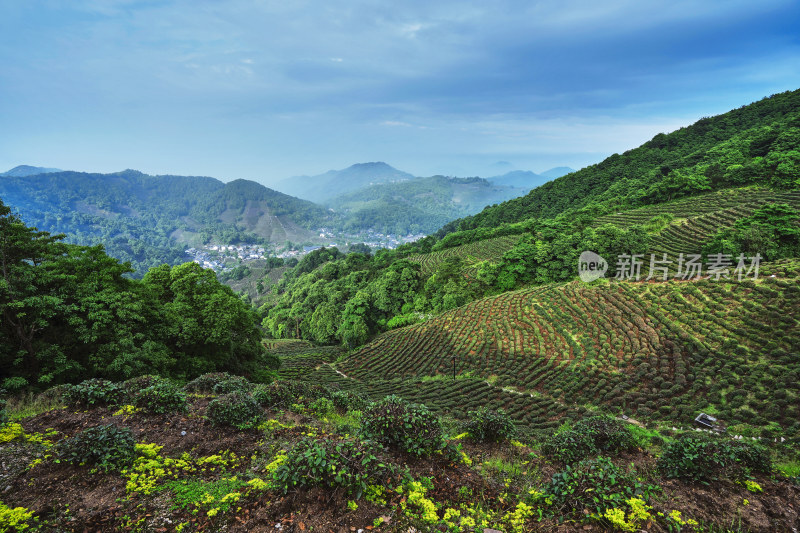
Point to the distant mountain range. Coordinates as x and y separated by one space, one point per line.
418 205
148 220
333 183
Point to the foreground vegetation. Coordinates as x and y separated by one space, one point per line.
221 453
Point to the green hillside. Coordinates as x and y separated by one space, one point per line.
149 220
419 205
755 144
501 296
723 347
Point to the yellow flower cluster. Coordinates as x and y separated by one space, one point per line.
126 410
516 518
639 513
416 497
16 431
15 519
150 468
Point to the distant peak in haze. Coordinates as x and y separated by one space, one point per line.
525 179
27 170
556 172
332 183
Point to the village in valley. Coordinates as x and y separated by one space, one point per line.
223 257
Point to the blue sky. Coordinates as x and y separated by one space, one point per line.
264 90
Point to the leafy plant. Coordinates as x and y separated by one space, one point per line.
233 383
589 436
108 447
94 393
236 409
594 486
488 425
349 464
205 383
278 393
162 397
704 458
410 427
347 400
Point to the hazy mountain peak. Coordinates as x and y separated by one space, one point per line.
556 172
332 183
28 170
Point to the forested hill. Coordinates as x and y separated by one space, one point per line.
148 220
419 204
757 143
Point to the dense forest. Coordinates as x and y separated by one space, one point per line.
68 312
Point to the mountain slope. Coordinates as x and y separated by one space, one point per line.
419 204
757 143
148 220
323 187
27 170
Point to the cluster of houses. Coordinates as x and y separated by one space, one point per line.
219 257
222 257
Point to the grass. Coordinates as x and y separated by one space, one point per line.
30 404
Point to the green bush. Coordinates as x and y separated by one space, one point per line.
487 425
234 383
134 385
322 406
162 397
235 409
593 485
345 400
589 436
276 394
107 447
205 383
702 458
410 427
347 464
93 393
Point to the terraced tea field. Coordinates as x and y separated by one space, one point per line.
471 253
661 350
697 219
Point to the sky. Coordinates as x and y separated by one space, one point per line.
265 90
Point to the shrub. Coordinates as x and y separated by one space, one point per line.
348 464
235 409
705 458
589 436
277 394
93 393
593 486
205 383
347 400
410 427
134 385
322 406
486 425
162 397
234 383
107 447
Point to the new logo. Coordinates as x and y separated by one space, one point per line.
591 266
